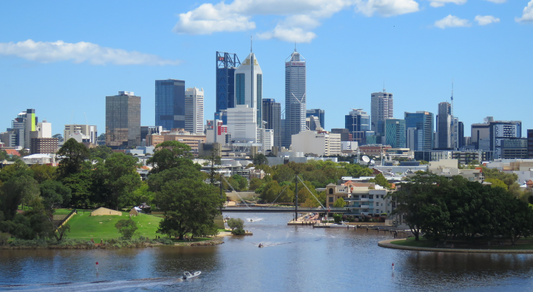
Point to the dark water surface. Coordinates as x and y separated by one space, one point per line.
293 259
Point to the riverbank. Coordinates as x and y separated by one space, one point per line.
391 244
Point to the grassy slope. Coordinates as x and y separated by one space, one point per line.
83 226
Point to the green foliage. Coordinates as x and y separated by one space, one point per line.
73 156
61 232
337 217
170 154
496 183
100 152
126 227
43 172
339 203
381 180
238 232
260 159
4 237
357 170
235 223
54 193
238 182
255 183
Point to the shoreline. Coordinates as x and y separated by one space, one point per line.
388 244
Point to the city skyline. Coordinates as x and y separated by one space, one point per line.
73 66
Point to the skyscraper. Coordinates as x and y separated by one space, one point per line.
319 113
123 120
249 86
419 127
170 104
444 127
358 123
295 96
194 110
395 133
272 117
21 128
227 63
381 108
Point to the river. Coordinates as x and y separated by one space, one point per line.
295 258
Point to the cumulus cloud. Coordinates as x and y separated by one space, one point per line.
452 21
48 52
386 8
484 20
527 15
300 16
440 3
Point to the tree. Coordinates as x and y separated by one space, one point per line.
43 172
255 183
54 193
189 206
239 183
260 159
356 170
126 227
170 154
339 203
381 180
73 156
236 225
496 183
100 152
19 189
62 232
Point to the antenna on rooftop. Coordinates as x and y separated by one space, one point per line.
383 86
251 44
295 46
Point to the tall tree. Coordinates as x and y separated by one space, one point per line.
73 156
190 206
170 154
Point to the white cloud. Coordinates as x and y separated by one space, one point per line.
451 21
440 3
301 16
386 7
497 1
48 52
484 20
527 15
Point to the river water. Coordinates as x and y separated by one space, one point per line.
293 259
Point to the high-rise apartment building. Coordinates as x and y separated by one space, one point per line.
249 87
227 63
170 104
320 114
419 129
295 96
272 117
381 108
194 110
123 120
444 127
395 133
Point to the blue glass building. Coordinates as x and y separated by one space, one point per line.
170 104
419 127
358 123
227 63
395 133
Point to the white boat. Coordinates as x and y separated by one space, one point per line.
187 275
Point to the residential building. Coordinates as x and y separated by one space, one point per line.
395 133
295 97
319 113
249 87
194 110
123 120
377 150
170 104
381 108
419 130
190 139
272 117
42 145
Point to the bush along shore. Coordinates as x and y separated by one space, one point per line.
140 242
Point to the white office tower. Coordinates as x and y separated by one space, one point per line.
81 133
241 124
381 108
295 97
267 139
249 87
194 110
44 129
319 143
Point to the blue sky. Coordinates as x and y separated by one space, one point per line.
63 57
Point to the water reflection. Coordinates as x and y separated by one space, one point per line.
294 258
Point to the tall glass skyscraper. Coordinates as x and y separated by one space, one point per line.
395 133
419 127
295 96
444 127
170 104
249 86
358 123
227 63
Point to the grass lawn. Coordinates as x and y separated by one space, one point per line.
84 226
62 211
521 244
422 242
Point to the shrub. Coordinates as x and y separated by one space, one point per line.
238 231
126 227
236 223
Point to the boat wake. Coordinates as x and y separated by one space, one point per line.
122 285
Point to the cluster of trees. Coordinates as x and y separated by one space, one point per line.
441 208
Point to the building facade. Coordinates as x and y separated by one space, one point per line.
444 127
249 87
272 117
227 63
319 113
170 104
395 133
419 129
318 143
88 131
358 124
295 96
194 110
123 120
381 108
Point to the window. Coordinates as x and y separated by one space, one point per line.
331 191
331 199
371 196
